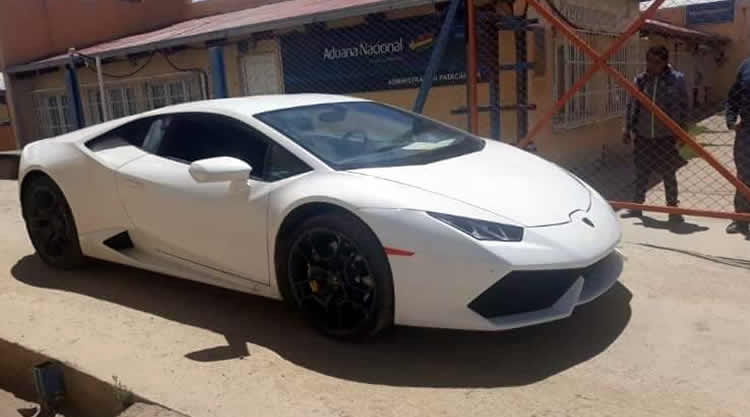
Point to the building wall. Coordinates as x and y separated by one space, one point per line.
736 52
194 58
567 146
673 15
50 27
558 145
29 126
4 113
7 140
583 144
439 105
441 100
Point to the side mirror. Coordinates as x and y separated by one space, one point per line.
221 169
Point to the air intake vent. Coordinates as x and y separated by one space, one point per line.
120 242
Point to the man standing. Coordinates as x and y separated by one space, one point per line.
655 148
738 105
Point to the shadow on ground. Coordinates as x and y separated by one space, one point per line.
405 357
722 260
683 228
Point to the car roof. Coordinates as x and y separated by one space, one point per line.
247 106
253 105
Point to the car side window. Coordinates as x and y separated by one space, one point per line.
194 136
132 133
283 164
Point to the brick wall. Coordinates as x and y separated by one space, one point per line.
7 140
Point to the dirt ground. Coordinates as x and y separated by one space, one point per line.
671 339
10 405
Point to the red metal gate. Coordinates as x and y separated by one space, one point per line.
699 161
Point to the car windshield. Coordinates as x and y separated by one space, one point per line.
355 135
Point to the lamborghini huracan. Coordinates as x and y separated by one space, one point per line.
356 213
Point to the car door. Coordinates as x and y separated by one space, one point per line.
220 226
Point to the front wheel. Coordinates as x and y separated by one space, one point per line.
337 273
50 224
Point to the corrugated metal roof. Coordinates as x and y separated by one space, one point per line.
668 29
269 17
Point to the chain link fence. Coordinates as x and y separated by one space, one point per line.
643 100
658 125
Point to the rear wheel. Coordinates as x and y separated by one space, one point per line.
50 224
337 273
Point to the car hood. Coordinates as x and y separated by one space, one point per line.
501 179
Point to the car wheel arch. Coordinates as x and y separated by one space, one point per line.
296 217
29 177
35 173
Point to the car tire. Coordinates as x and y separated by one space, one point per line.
349 268
50 224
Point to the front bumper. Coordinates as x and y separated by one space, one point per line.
526 298
454 281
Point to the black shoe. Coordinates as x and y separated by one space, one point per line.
676 218
738 228
633 213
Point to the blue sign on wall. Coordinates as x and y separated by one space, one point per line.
380 55
710 13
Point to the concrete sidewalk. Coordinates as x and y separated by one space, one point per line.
670 340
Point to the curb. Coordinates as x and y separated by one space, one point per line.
86 396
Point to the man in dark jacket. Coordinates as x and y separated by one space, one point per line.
655 149
738 106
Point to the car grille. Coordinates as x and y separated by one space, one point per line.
526 291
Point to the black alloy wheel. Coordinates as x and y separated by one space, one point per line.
341 283
50 224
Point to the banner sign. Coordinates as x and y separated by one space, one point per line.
710 13
380 55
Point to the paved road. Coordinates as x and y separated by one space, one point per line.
670 340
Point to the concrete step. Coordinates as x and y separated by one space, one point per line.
85 395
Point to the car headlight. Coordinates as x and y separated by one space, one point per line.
482 230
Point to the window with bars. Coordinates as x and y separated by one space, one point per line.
601 98
604 16
162 93
628 61
124 98
52 112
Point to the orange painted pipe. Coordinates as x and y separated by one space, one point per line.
680 210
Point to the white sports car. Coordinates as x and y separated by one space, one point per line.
359 214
